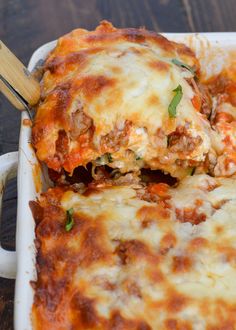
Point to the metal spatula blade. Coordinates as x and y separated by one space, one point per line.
18 97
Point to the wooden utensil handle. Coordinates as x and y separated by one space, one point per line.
18 77
10 96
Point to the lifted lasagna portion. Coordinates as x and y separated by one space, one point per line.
122 97
137 257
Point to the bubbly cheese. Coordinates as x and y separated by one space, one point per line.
130 263
102 87
224 139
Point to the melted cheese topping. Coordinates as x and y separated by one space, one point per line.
129 263
223 120
108 91
224 139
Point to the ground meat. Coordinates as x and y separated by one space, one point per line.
218 85
62 145
223 88
203 93
146 194
116 138
181 140
190 215
105 179
209 163
188 163
80 123
206 100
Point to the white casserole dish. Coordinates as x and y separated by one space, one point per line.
212 50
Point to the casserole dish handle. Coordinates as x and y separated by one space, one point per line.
8 170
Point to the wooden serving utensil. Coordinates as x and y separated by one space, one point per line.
16 82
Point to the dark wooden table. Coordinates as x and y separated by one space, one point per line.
27 24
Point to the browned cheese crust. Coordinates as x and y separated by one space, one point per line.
107 92
137 257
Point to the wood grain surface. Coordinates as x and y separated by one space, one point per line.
27 24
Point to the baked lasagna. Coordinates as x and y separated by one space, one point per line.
127 249
137 257
128 98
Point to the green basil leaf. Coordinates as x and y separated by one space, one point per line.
69 219
183 65
175 101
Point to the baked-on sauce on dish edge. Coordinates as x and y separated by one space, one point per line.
122 251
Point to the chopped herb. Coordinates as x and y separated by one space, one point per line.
104 159
109 157
175 101
100 161
69 219
183 65
138 158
